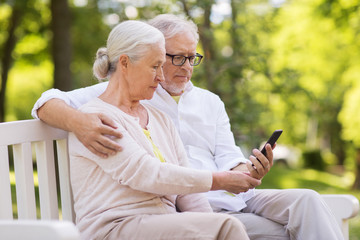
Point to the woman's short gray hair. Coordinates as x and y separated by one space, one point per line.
170 25
132 38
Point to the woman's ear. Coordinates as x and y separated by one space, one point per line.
124 61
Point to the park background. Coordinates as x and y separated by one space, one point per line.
289 64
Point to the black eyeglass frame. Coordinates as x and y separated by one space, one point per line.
185 58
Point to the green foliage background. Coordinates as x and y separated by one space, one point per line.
291 64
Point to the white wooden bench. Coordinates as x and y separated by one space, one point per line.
27 137
33 139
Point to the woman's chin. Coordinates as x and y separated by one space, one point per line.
149 97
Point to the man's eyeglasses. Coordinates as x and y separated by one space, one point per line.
179 60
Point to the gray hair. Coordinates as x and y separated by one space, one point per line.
170 25
132 38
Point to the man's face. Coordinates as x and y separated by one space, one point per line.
176 77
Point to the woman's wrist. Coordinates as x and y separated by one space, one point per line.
217 180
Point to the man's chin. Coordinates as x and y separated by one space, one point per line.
174 90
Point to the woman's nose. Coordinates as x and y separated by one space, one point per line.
160 75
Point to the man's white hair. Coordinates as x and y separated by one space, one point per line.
171 25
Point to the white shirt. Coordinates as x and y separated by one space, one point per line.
202 122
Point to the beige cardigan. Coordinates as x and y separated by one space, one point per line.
133 181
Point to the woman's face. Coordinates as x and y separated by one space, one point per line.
145 74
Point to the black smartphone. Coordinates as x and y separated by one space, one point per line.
272 140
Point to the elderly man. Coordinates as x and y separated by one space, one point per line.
204 127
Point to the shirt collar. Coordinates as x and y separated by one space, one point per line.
189 86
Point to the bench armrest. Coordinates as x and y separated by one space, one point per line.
344 207
38 230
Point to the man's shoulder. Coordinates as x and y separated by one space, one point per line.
204 93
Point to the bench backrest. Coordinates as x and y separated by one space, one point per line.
32 141
24 143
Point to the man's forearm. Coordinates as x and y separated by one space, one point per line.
92 129
57 113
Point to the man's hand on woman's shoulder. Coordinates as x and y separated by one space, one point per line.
97 132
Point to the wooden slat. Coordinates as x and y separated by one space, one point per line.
25 193
28 131
5 189
47 180
67 203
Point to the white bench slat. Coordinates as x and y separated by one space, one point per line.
5 189
47 180
29 131
67 204
25 192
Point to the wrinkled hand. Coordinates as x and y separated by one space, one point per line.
233 181
242 168
260 165
96 132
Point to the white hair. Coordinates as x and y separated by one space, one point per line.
171 25
132 38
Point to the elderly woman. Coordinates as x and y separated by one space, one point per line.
145 191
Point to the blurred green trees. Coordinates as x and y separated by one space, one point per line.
293 65
316 49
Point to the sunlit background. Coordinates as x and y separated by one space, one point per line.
293 65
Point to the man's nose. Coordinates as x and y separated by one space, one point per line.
186 64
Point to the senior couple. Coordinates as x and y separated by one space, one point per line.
149 151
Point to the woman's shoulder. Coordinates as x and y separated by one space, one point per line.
96 105
93 104
157 113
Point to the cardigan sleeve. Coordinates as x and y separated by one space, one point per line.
135 168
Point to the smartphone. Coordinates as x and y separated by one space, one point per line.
272 140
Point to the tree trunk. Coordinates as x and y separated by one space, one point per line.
7 59
207 41
238 53
356 184
61 48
